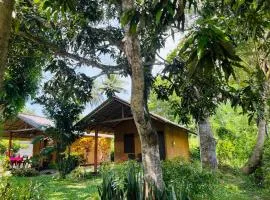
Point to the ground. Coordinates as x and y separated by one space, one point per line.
56 189
232 186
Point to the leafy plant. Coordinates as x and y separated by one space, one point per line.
130 184
79 173
188 180
4 146
66 164
25 172
11 191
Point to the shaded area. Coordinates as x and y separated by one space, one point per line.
63 189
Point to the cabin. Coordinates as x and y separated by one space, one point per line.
114 117
25 127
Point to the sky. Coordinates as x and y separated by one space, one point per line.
169 46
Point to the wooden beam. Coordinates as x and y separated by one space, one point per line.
19 130
96 151
116 120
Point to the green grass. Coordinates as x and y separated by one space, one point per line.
236 186
63 189
232 186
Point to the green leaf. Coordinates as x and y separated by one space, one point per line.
133 28
201 46
158 16
37 139
126 17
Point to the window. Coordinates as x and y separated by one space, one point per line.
129 146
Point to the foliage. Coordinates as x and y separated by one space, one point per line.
35 161
231 185
188 180
4 146
129 185
87 144
5 163
160 107
10 191
26 172
79 173
199 74
112 85
183 181
266 164
64 98
66 164
109 188
235 135
22 75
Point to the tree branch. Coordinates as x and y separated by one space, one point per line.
63 53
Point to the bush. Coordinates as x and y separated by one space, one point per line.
195 154
79 173
25 172
6 163
130 185
11 191
4 146
66 164
183 181
266 164
188 179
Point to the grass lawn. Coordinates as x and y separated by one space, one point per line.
232 186
63 189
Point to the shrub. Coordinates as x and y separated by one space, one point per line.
66 164
34 161
111 187
188 179
26 172
79 173
6 163
4 146
266 164
126 181
11 191
195 154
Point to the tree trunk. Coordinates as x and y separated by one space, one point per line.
148 136
6 8
256 157
255 160
207 145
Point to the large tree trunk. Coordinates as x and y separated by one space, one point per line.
6 8
255 160
148 136
207 145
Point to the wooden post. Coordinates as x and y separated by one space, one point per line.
10 144
96 151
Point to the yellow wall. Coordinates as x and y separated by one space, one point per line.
176 140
